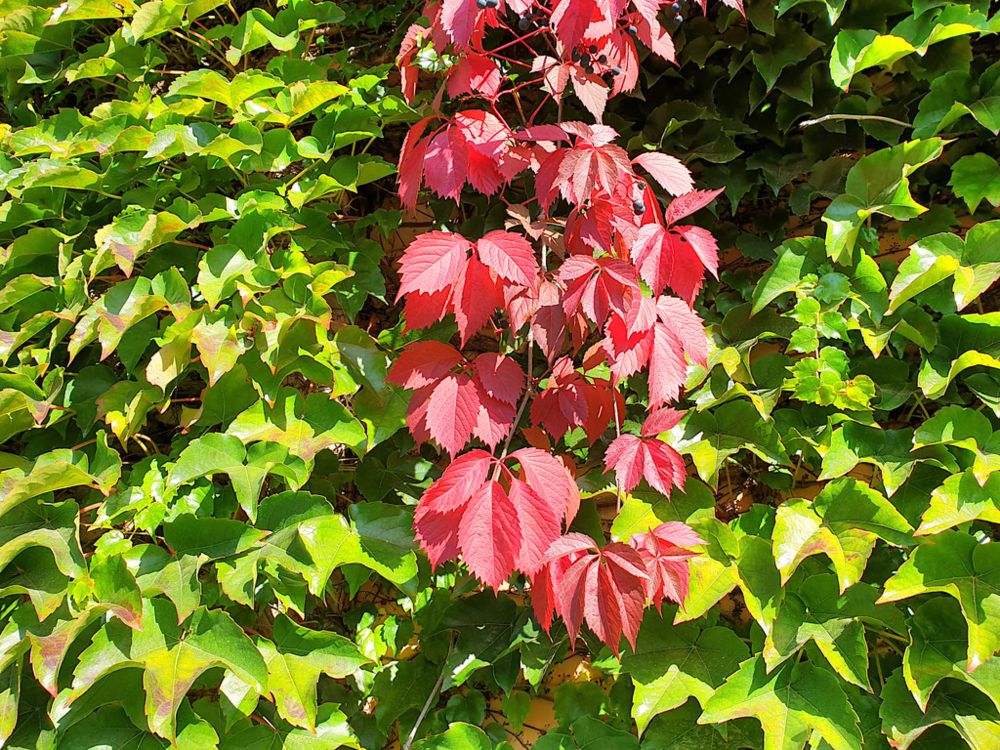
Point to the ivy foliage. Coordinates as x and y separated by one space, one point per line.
205 491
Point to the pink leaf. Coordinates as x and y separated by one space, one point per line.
432 262
490 535
464 476
424 363
687 204
452 411
501 377
510 256
667 170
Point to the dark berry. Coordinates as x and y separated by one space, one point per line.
492 3
576 55
585 60
675 6
602 59
616 71
523 23
588 69
633 30
678 19
480 4
638 206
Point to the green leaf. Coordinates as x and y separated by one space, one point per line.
458 737
877 184
296 659
859 49
225 454
672 663
842 522
305 425
975 178
796 702
935 653
817 611
965 341
958 565
172 658
960 499
962 708
710 438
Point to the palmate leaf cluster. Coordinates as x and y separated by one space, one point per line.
205 491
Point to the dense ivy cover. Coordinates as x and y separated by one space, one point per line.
207 479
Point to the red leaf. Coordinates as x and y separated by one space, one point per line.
571 19
432 262
489 535
446 164
411 165
424 363
598 286
438 535
549 323
667 369
687 204
550 478
605 586
704 246
474 73
633 457
540 525
660 420
664 258
510 256
463 476
686 326
495 420
592 92
477 296
666 561
667 170
452 412
424 310
458 18
625 456
501 377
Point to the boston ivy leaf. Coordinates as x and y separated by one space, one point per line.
966 429
965 341
816 611
935 653
842 522
171 655
959 500
305 425
973 264
459 736
975 178
295 660
38 524
794 704
674 662
958 565
891 451
710 438
58 470
247 469
878 183
960 707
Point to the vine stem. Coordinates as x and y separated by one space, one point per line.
529 387
427 703
836 116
